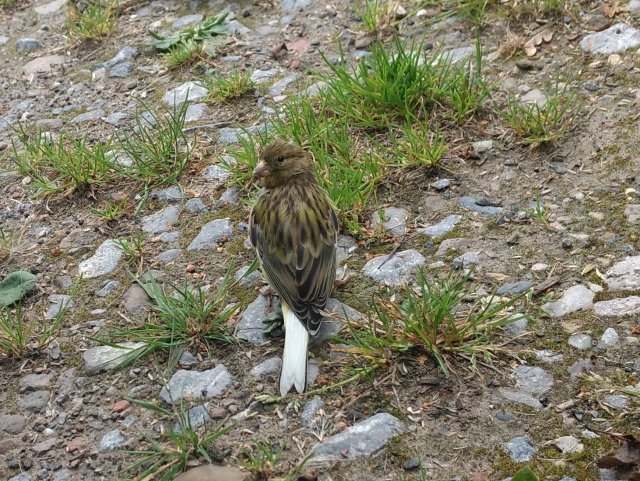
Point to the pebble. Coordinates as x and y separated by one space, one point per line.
514 288
89 116
442 184
615 39
212 472
168 256
111 441
479 205
107 288
216 172
186 92
106 358
466 259
194 385
360 440
28 45
267 367
229 135
124 54
520 448
441 228
103 262
521 398
162 220
43 64
210 234
310 410
262 76
170 194
392 219
618 307
581 341
534 97
459 54
121 70
279 87
549 357
195 206
187 20
230 196
250 327
482 146
247 280
12 423
35 401
575 298
136 301
533 379
195 112
395 269
568 444
616 401
115 118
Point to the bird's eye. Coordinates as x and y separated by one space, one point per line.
279 159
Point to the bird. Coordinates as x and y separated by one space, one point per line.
293 227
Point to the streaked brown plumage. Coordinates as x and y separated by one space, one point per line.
293 228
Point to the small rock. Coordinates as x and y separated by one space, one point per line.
626 306
520 448
107 288
170 194
43 64
186 92
187 20
549 357
44 447
262 76
111 441
411 464
247 280
50 7
459 54
230 196
395 269
609 338
539 267
210 472
279 87
124 54
521 398
632 211
479 205
442 184
136 301
103 262
34 402
217 173
392 219
568 444
12 423
514 288
59 303
580 341
28 45
441 228
534 97
615 39
106 358
624 275
89 116
121 70
533 379
250 326
212 233
267 367
115 118
466 259
196 112
194 385
576 298
616 401
195 206
34 382
360 440
229 135
482 146
310 410
168 256
161 221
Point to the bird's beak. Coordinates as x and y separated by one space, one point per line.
261 170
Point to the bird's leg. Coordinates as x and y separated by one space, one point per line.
343 279
275 318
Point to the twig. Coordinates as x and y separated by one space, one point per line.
206 127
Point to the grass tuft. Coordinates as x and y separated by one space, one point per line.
20 338
231 87
377 16
95 22
262 459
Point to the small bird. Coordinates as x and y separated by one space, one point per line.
293 227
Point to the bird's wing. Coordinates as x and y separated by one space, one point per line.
296 247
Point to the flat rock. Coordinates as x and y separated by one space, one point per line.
262 76
124 54
21 477
236 28
392 219
576 298
459 54
115 118
188 91
195 206
520 398
250 326
625 306
520 449
107 288
195 112
34 382
568 444
549 357
247 280
90 116
34 402
533 380
517 326
581 341
480 206
534 97
216 172
121 70
111 441
161 221
198 416
441 228
210 234
50 7
169 255
341 314
12 423
615 39
280 86
136 301
107 358
228 135
187 20
466 259
103 262
266 367
194 385
309 411
609 338
617 401
43 64
209 472
170 194
514 288
632 211
360 440
624 275
395 269
28 45
58 303
45 446
230 196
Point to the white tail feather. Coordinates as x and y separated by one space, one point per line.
294 358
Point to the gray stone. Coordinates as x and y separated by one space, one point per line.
518 325
115 118
624 275
236 28
21 477
482 146
186 92
216 172
34 382
625 306
187 20
28 45
442 184
136 301
580 367
12 423
520 449
107 288
50 7
360 440
279 87
568 444
168 256
262 76
211 233
479 205
103 262
34 402
195 206
89 116
341 314
313 90
43 64
466 259
581 341
267 367
533 379
520 398
615 39
534 97
59 302
609 338
169 237
549 357
250 326
44 447
197 416
7 120
111 441
393 220
514 288
396 269
345 246
107 358
124 54
121 70
194 385
162 220
195 112
576 298
616 401
249 280
309 411
632 211
229 135
230 196
170 194
62 475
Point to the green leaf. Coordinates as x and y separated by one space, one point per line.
525 474
15 286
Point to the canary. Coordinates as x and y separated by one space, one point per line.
293 228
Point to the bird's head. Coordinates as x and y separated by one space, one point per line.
281 163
